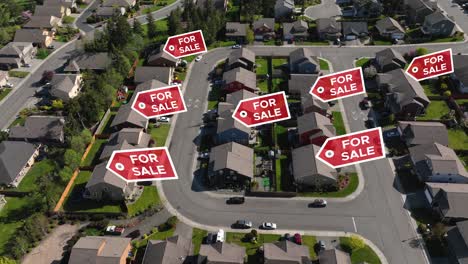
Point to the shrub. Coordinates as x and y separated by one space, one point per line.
448 93
443 86
172 221
356 242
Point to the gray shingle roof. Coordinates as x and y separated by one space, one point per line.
54 10
161 54
119 3
63 83
42 22
388 25
49 128
30 35
146 73
354 28
233 156
173 250
127 115
305 164
235 29
460 65
314 120
99 249
334 256
457 237
127 138
388 56
17 49
286 251
264 22
90 61
450 199
436 17
301 56
14 155
102 175
242 54
223 253
328 25
424 132
248 78
299 28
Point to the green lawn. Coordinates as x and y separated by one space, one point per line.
233 13
464 159
278 175
68 20
435 111
276 63
4 93
94 152
281 136
197 239
313 43
107 122
448 39
262 84
310 241
458 139
324 65
40 168
212 105
18 74
251 248
18 121
149 198
159 134
278 84
159 4
352 186
382 42
429 89
262 66
362 255
74 202
218 44
361 62
42 54
338 123
155 236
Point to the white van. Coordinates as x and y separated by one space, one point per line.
220 236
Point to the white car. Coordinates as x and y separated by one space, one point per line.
268 226
237 46
220 236
198 58
26 65
8 85
164 119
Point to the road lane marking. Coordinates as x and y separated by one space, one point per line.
354 224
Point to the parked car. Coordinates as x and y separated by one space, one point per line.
321 245
220 236
244 224
51 47
287 236
164 119
26 65
268 226
297 239
318 203
370 123
391 133
41 91
134 234
237 46
177 81
219 82
114 230
203 155
8 85
210 238
198 58
365 104
235 200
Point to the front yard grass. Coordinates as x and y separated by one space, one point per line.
429 89
42 54
262 66
262 85
362 255
324 65
313 43
155 236
158 5
149 198
338 123
352 186
251 248
458 140
197 239
68 20
94 152
276 63
362 62
4 93
159 134
278 84
278 171
435 111
18 74
310 242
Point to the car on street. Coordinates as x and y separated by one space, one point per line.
268 226
297 239
198 58
318 203
237 46
164 119
235 200
243 224
41 91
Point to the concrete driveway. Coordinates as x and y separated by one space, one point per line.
327 9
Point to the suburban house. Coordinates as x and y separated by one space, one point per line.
44 22
105 185
264 29
89 61
303 61
40 38
354 30
172 250
308 171
238 79
119 3
221 253
457 238
243 57
333 256
460 75
301 84
220 5
162 59
16 54
4 77
228 129
296 31
417 10
328 28
65 86
16 158
145 86
285 252
126 117
284 9
106 12
438 24
390 28
405 96
367 8
231 164
421 133
45 129
314 128
126 138
448 200
236 31
145 73
437 163
388 60
100 249
53 10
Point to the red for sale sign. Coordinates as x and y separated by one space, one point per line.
339 85
159 102
352 148
262 110
146 164
185 44
431 65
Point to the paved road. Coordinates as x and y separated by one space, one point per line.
81 21
376 213
454 10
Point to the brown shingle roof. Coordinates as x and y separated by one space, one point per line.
99 249
286 251
223 253
233 156
424 132
173 250
248 78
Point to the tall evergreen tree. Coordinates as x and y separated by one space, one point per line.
173 24
137 28
152 30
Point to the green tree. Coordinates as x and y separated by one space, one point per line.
65 173
152 29
119 32
121 63
57 104
137 28
448 93
443 86
6 260
72 159
421 51
173 24
86 136
356 242
249 37
77 144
